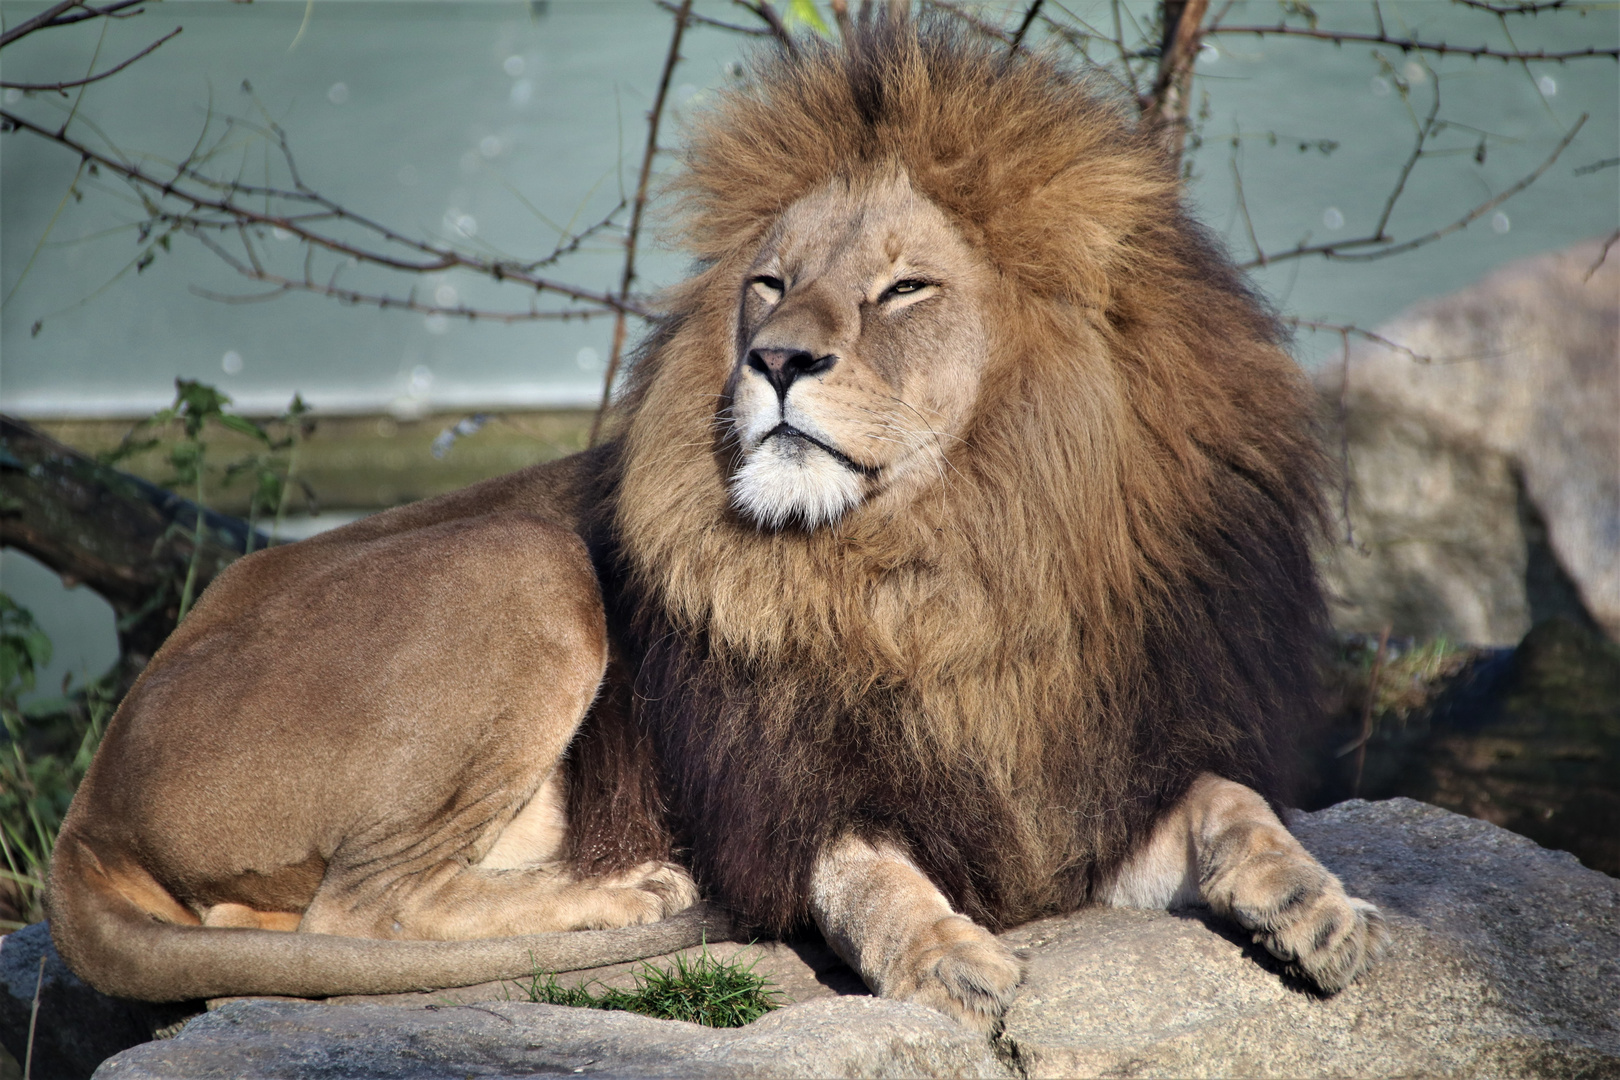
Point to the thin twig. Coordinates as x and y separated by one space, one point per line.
767 15
637 208
63 87
1344 437
1338 249
1365 335
1424 130
1243 205
33 1019
109 11
1602 256
1367 709
719 24
1440 48
1529 7
988 29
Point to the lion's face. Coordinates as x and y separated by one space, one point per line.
860 348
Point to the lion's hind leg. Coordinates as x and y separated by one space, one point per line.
1223 846
521 885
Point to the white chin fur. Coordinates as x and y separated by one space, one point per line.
786 479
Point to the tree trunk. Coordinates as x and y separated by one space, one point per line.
129 540
1170 103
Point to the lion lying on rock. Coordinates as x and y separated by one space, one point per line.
950 567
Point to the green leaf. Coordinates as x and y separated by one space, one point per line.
803 12
242 425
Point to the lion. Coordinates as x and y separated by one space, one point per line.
948 566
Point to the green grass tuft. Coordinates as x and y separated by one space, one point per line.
703 990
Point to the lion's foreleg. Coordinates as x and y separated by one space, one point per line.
1223 846
887 920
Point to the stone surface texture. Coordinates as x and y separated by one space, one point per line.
77 1028
1505 961
1485 479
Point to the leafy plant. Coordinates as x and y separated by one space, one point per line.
702 990
271 467
44 753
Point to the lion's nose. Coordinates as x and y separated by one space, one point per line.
782 366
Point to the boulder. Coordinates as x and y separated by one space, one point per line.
1485 475
1505 960
77 1027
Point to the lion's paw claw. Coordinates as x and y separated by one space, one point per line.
962 970
1302 916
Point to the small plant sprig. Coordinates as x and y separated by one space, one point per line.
702 990
272 466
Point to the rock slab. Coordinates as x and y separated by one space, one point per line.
1505 962
77 1027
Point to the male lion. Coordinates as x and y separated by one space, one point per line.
955 553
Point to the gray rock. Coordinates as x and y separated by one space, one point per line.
1485 481
1505 961
78 1027
854 1036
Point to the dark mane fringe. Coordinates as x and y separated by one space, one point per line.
1112 593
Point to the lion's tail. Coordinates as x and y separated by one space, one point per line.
121 949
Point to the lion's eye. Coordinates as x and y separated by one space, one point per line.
769 287
905 287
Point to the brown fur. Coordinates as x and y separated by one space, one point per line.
1112 591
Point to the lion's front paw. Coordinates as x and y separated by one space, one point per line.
1300 913
960 969
644 894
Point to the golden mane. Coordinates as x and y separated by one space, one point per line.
1109 588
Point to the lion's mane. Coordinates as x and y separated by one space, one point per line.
1108 590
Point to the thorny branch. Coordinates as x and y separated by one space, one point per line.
63 87
653 118
1439 48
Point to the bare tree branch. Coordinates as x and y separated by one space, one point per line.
43 19
719 24
1337 250
1033 10
228 202
1439 48
653 118
63 87
1348 329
